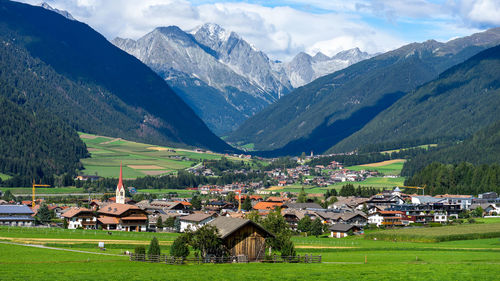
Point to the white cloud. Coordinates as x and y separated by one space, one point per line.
479 12
283 31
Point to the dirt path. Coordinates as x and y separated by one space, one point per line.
76 241
59 249
322 247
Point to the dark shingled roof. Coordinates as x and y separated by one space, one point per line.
228 225
303 206
342 227
196 217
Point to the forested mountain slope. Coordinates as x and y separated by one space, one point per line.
35 146
67 68
331 108
481 148
460 101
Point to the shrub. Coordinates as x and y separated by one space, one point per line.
140 250
154 248
288 249
180 247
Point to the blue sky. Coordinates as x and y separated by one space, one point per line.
285 27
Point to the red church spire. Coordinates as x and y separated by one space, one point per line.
120 180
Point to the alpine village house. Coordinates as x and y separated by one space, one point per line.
113 216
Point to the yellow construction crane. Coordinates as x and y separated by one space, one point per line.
416 187
36 185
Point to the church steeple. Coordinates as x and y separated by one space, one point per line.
120 190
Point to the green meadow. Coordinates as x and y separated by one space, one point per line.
377 182
389 169
180 192
439 234
343 259
138 159
426 146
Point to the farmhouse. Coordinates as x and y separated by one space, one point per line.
194 221
242 237
80 218
16 215
123 217
342 230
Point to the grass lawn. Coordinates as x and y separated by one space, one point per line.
455 260
138 159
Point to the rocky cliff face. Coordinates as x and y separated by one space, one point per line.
244 78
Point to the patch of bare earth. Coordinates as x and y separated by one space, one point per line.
155 172
145 167
384 163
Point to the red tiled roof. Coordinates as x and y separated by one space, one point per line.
108 220
183 203
267 205
74 211
117 209
390 212
276 199
135 218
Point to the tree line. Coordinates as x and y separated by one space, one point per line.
463 178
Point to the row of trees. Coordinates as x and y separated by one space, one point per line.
360 191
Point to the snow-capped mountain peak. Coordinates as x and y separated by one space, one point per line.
63 13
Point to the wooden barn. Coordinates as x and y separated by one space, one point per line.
242 237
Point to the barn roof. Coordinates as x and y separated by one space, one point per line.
227 225
15 209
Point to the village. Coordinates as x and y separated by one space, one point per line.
241 204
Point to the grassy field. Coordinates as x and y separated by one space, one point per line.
43 190
377 182
344 259
392 167
138 159
181 192
426 146
439 234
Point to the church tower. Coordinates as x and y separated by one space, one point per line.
120 190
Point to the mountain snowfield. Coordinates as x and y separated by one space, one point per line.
212 59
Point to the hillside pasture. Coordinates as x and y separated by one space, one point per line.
390 167
425 146
138 159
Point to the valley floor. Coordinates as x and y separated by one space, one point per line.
343 259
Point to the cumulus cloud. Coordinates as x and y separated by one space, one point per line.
291 26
